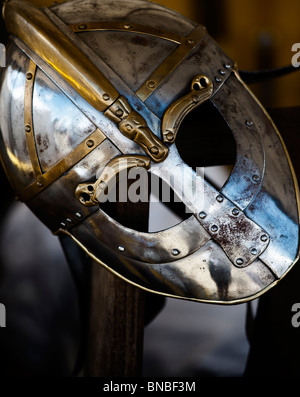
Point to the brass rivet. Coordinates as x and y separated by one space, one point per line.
151 84
81 27
190 42
154 150
29 76
39 184
90 143
106 97
28 128
119 112
140 163
170 136
127 26
102 185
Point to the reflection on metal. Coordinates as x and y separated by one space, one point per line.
201 91
73 121
90 194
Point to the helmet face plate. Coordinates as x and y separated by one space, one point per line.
238 240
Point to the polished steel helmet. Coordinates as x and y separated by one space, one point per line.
93 89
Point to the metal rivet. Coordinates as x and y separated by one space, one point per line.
175 251
214 228
119 112
249 123
235 212
79 215
121 248
239 261
218 79
151 84
90 143
154 150
102 185
227 66
222 72
170 136
39 184
202 215
190 42
255 178
106 97
29 76
69 220
264 238
27 128
62 224
253 251
141 163
220 198
127 26
81 27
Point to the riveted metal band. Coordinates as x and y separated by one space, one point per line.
186 45
44 180
170 63
28 121
127 27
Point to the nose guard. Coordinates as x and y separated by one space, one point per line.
238 241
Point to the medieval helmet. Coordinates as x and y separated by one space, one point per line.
96 88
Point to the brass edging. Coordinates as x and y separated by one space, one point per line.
28 120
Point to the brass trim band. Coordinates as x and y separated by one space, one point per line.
28 120
36 30
170 63
44 180
127 27
186 45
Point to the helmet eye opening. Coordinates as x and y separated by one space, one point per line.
204 139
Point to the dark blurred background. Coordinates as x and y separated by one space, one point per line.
44 326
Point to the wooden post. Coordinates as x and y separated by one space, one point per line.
116 310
